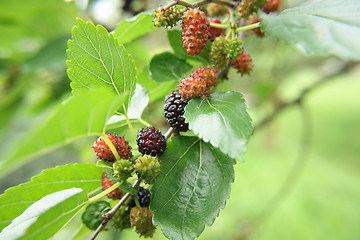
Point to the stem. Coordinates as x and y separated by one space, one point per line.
129 122
242 34
137 202
248 27
111 146
103 193
168 133
144 122
218 25
198 4
112 212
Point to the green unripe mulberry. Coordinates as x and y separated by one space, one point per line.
218 52
123 169
121 219
233 49
147 167
167 18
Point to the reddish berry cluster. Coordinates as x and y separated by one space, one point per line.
197 83
271 6
141 218
243 63
115 194
103 151
195 31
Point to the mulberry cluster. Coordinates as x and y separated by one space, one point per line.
174 109
214 9
121 219
115 194
151 141
143 196
197 83
147 168
195 31
243 63
218 56
233 49
257 31
141 218
248 7
123 169
167 18
103 151
271 6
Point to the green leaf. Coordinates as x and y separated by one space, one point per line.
97 60
194 184
92 216
138 103
80 116
175 40
16 199
322 28
104 164
222 120
47 216
168 67
129 30
156 90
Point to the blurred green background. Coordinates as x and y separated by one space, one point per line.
301 176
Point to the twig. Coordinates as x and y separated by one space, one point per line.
220 74
198 4
168 133
112 212
248 27
302 95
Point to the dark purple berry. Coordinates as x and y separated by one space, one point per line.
174 109
143 197
150 141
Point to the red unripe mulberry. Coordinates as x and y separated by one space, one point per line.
195 31
271 6
103 151
116 193
243 63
